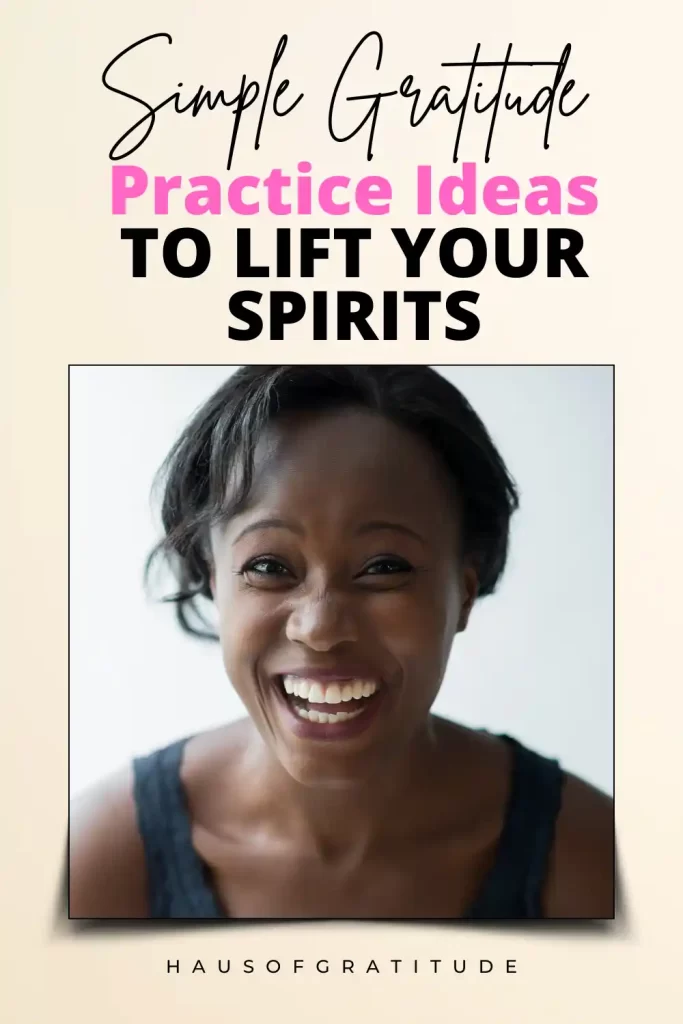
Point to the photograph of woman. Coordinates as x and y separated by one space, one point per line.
335 527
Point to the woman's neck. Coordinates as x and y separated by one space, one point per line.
344 820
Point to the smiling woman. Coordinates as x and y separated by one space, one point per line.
343 521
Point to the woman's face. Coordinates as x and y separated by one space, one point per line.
339 590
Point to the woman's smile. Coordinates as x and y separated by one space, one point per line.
327 705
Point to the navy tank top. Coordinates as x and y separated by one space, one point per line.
179 883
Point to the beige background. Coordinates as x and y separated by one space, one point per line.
71 299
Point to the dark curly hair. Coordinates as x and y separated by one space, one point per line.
217 449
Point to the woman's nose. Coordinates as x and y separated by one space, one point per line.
321 622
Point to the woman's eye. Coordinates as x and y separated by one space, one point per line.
387 567
265 569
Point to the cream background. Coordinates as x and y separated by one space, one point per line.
71 300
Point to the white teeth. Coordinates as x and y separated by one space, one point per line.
333 693
322 718
316 694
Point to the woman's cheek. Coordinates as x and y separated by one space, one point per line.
248 620
412 618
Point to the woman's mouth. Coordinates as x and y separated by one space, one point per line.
333 709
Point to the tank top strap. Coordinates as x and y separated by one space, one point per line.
514 887
177 881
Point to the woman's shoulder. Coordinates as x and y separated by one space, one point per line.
107 855
107 875
580 877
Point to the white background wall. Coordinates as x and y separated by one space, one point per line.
536 660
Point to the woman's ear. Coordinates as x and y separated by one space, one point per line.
470 591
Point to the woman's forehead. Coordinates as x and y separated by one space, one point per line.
351 458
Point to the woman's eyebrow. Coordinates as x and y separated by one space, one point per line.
270 523
273 522
385 524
